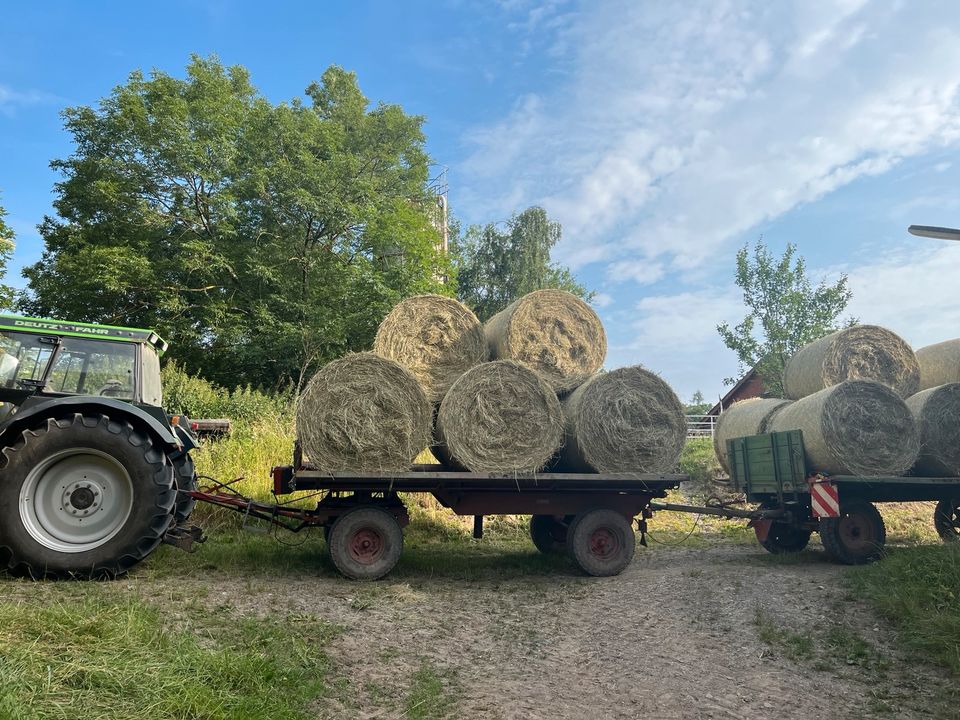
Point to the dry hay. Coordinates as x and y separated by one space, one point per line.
858 427
939 364
937 413
435 337
499 417
861 352
625 420
553 332
747 417
364 413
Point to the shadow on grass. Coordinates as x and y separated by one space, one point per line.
264 556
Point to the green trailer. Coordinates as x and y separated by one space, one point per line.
796 500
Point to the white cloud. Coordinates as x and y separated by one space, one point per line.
602 300
676 336
911 291
681 126
11 100
640 271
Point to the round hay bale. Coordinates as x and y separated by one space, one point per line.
365 413
861 352
499 417
939 364
937 414
435 337
747 417
553 332
858 427
625 420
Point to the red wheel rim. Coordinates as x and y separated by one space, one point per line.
366 546
604 543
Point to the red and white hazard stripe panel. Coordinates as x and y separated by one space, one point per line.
824 499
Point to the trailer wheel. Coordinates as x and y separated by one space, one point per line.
548 533
856 537
946 519
82 496
783 538
601 542
365 543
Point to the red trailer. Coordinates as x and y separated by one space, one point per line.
363 514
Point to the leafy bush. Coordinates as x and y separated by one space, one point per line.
191 395
699 461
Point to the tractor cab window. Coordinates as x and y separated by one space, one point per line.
22 357
94 367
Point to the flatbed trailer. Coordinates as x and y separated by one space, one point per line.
363 514
796 500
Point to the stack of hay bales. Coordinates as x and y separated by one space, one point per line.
939 364
936 411
505 397
847 391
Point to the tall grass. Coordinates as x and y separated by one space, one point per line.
101 659
918 590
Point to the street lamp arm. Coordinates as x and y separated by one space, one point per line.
931 231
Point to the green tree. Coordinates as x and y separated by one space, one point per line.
6 252
698 405
497 264
785 311
262 239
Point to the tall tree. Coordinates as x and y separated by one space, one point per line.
263 239
6 252
497 264
785 311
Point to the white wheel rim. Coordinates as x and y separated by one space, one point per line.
76 500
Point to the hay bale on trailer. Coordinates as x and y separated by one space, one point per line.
939 364
861 352
363 412
747 417
858 427
625 420
937 414
437 338
499 417
553 332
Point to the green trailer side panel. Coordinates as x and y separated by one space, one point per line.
768 465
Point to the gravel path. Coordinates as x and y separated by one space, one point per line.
677 635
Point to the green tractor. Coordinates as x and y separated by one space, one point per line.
94 474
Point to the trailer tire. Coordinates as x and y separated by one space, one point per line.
548 533
946 519
365 543
76 468
783 538
856 537
601 542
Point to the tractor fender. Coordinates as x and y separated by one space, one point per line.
28 417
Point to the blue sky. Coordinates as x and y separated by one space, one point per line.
662 135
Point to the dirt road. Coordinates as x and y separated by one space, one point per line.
724 632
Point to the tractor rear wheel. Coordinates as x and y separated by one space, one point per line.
946 519
856 537
601 542
82 496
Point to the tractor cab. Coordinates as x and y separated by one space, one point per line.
53 358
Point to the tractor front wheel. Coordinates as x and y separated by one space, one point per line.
82 496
